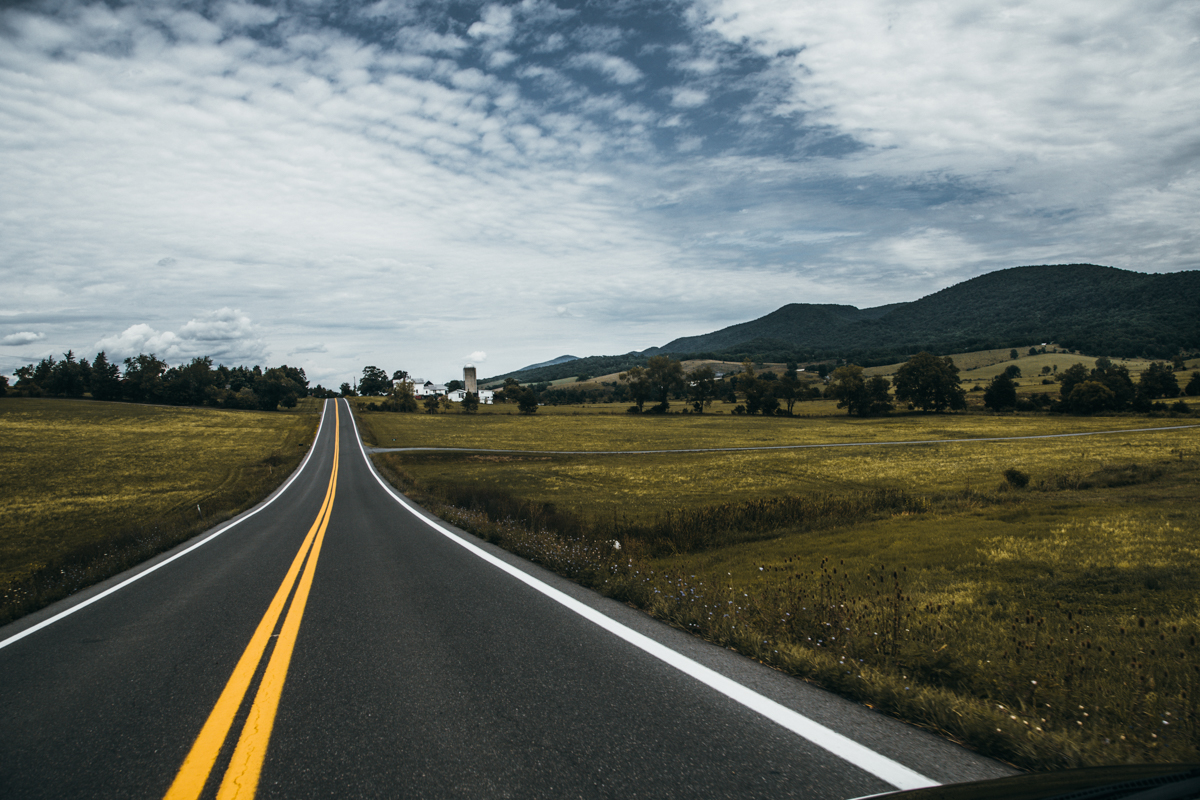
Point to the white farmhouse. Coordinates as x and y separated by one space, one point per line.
486 396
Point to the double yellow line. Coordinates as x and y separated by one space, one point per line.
241 776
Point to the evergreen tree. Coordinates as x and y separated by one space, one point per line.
106 379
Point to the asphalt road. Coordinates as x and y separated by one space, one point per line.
334 643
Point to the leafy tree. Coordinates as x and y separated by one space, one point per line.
189 384
1001 393
1193 386
702 387
470 403
527 403
455 385
1071 377
106 379
1033 351
1090 397
789 390
402 397
665 375
1157 381
1013 371
399 375
432 404
639 385
858 395
374 382
345 391
1013 354
930 383
3 385
277 387
25 385
143 379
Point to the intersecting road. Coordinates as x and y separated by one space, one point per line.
336 641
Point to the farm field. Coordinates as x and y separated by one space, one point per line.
1048 618
606 427
91 488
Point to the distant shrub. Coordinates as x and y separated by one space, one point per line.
1016 478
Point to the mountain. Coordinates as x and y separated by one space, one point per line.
551 363
1095 309
1080 306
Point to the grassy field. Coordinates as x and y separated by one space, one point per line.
91 488
1052 623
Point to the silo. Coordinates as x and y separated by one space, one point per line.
469 379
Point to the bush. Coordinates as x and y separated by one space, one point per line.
1016 478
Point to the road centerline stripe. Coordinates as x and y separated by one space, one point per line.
198 765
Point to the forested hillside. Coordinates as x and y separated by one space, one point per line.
1079 306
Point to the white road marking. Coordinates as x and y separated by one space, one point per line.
845 748
85 603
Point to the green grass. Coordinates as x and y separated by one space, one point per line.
768 552
91 488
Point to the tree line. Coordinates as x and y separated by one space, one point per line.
148 379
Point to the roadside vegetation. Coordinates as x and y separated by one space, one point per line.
93 488
1036 599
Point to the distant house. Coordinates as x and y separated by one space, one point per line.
428 389
486 396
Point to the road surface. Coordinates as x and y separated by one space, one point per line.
334 643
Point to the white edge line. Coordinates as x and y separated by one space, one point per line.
245 516
841 746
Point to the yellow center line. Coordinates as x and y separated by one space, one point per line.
241 778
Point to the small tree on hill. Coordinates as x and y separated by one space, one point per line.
665 375
702 387
1001 393
1193 386
375 382
1090 397
470 403
639 385
1157 381
930 383
858 395
527 402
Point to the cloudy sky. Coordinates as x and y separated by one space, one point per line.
330 184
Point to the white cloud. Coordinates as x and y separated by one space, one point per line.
225 335
686 97
22 337
495 25
477 357
615 68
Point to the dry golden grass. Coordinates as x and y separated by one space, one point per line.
78 473
1053 625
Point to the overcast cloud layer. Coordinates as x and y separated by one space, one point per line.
418 185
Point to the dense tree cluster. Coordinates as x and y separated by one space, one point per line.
1109 387
149 379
